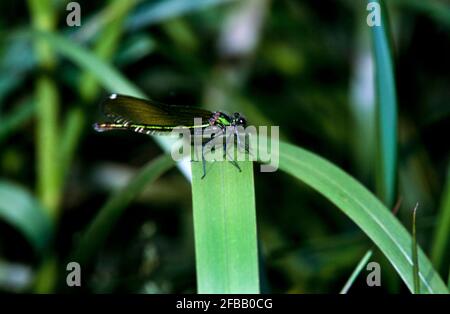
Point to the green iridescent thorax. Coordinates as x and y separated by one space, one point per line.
223 120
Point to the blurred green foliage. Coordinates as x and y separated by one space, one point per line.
303 65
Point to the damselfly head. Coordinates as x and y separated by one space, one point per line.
239 120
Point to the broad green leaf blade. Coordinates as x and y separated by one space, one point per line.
365 210
356 272
108 215
49 181
225 228
386 109
19 209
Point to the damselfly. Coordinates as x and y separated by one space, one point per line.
151 117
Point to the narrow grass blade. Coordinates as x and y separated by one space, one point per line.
44 18
108 76
19 209
225 228
108 215
441 240
365 210
356 272
161 10
415 257
49 183
106 44
48 171
73 128
386 109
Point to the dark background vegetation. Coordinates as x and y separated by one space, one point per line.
301 73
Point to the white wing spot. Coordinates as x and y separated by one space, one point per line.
113 96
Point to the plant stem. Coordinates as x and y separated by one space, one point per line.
43 18
47 104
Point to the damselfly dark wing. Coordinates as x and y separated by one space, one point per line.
147 116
